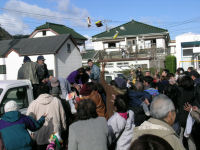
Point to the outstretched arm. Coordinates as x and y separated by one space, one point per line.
102 78
32 124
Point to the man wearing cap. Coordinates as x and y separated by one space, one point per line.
43 73
14 125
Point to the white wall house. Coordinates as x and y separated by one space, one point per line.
124 43
172 47
118 66
137 40
43 33
53 29
61 54
188 50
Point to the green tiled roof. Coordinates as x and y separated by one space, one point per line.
61 29
132 28
89 54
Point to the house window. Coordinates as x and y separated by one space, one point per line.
2 69
110 45
187 52
109 65
68 48
131 42
108 79
126 64
119 64
144 66
44 33
123 64
19 95
153 42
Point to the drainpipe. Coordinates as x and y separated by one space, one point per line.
126 43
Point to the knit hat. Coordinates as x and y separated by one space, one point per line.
26 59
54 82
11 106
121 83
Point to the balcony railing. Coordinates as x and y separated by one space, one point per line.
142 53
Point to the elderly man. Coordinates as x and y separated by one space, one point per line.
163 116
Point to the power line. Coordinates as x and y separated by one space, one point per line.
105 20
185 22
32 23
59 17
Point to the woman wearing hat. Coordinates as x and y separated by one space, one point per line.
14 125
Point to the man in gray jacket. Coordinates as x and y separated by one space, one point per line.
95 71
28 71
163 115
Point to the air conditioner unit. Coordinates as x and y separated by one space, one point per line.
196 50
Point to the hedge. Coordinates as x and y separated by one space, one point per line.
170 63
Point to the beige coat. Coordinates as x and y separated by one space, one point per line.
161 129
55 120
196 115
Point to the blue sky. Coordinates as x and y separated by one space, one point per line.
178 16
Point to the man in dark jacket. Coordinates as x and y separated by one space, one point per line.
14 125
138 100
43 74
195 77
42 71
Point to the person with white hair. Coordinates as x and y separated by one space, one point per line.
163 115
14 125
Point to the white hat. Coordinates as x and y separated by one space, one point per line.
10 106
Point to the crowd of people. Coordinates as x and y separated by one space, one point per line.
145 111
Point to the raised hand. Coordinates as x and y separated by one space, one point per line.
187 107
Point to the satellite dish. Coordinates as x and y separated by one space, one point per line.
122 28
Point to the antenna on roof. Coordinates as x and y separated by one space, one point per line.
48 25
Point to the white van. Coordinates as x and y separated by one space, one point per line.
20 91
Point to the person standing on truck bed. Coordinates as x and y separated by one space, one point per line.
42 72
28 71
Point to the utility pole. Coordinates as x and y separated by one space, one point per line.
136 50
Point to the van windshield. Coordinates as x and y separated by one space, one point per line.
1 90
